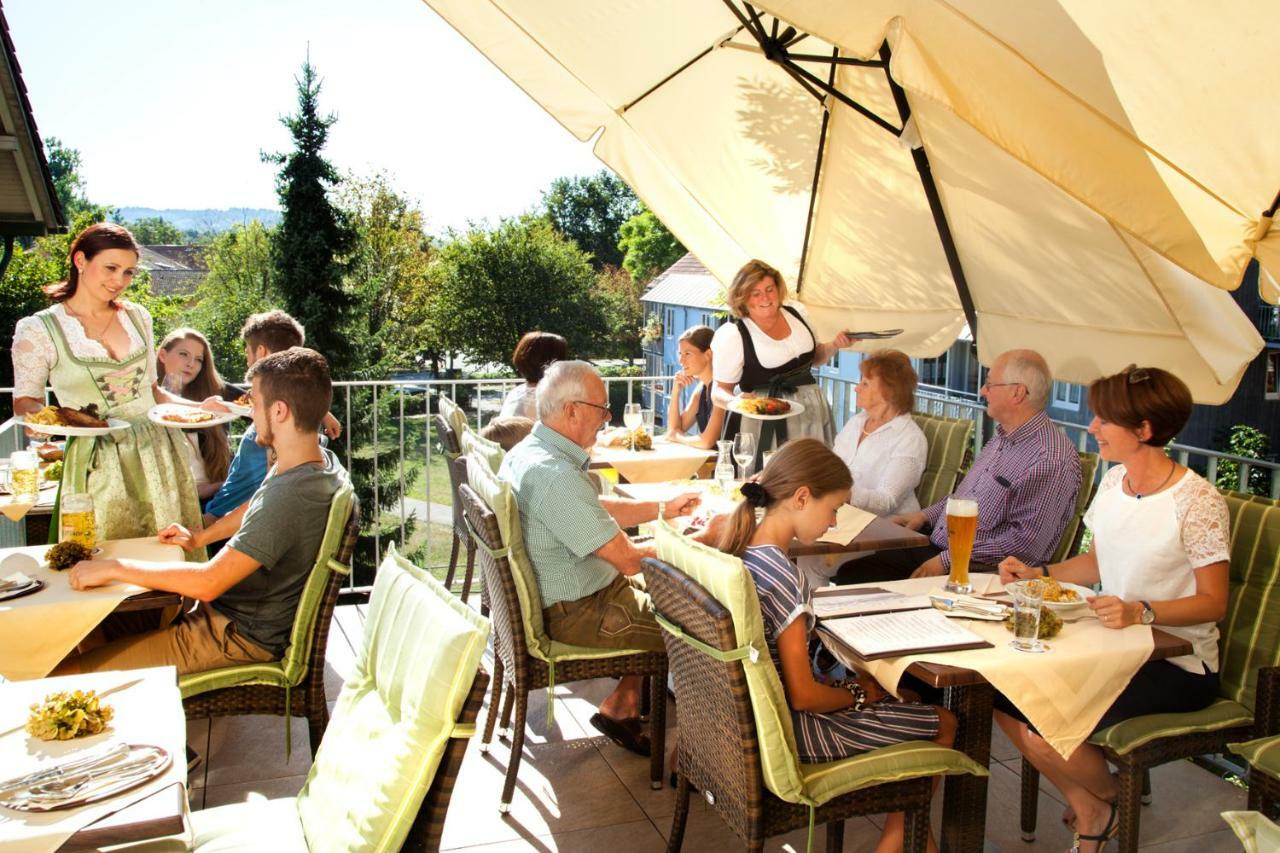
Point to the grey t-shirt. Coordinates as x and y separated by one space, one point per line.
282 530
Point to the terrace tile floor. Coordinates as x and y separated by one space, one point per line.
578 793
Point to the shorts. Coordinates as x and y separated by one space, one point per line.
619 616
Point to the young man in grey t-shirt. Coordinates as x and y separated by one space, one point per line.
249 591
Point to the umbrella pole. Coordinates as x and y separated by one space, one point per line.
925 170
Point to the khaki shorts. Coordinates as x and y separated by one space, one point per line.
199 641
620 616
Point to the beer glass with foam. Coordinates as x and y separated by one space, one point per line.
962 527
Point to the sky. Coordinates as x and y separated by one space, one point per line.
170 102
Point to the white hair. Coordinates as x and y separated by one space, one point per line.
1029 369
561 384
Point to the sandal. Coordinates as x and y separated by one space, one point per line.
625 733
1111 830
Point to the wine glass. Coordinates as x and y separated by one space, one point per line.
744 450
173 383
631 418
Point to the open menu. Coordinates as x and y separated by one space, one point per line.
850 521
833 602
889 635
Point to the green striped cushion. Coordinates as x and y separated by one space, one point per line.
1262 754
1088 468
948 442
895 763
1250 633
1124 737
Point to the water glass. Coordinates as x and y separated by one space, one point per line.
646 419
1028 596
744 450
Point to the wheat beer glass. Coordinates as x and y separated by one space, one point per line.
962 527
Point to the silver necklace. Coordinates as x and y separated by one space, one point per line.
1173 466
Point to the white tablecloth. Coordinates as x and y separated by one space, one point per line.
669 460
1063 692
37 631
149 712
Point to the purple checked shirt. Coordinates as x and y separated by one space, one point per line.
1025 483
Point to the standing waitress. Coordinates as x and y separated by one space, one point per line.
769 351
94 347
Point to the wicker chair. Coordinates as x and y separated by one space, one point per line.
1248 666
949 450
525 658
294 685
374 786
736 743
457 466
1263 755
1069 544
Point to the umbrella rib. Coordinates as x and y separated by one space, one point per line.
817 172
665 80
843 98
836 60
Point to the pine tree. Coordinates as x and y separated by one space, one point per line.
313 236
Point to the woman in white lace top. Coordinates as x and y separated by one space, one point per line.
94 347
1160 552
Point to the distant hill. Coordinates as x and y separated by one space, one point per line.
203 220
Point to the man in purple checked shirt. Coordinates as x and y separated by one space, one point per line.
1025 481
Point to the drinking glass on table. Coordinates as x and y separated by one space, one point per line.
76 520
744 450
631 418
1028 596
24 476
646 419
962 528
724 464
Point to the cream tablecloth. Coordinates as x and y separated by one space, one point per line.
149 712
668 460
1064 692
37 631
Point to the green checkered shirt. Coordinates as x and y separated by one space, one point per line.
560 515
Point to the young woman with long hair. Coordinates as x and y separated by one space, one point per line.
799 492
184 366
695 370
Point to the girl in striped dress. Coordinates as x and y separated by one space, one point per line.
800 490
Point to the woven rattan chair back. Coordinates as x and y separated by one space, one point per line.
719 750
461 537
500 588
1069 544
1249 636
949 447
448 437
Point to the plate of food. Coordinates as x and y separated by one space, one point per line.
622 438
177 416
766 408
63 420
240 406
1060 595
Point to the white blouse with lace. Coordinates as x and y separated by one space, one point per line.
1148 549
34 353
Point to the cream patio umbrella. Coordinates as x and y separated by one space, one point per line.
1084 178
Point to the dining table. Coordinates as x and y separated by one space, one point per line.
147 710
969 694
39 629
666 460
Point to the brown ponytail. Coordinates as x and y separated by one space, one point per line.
91 241
801 462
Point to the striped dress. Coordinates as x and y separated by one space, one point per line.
784 597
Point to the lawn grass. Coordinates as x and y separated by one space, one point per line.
436 473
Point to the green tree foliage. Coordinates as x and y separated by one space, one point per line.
312 236
64 167
493 286
1251 443
590 211
619 294
156 231
648 247
239 284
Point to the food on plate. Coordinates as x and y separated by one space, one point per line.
242 400
63 716
54 472
763 406
622 437
85 416
1059 594
1050 623
195 416
49 452
64 555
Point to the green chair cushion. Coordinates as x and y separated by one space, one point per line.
1262 754
396 712
1250 633
1088 470
292 667
255 825
1124 737
948 443
1257 834
489 452
895 763
453 414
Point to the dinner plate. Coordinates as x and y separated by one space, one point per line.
1083 591
19 591
796 409
113 424
158 413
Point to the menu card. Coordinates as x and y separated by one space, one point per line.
835 601
888 635
850 521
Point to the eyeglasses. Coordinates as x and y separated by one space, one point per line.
605 409
1136 374
1000 384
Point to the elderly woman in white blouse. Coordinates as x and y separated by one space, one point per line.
1160 551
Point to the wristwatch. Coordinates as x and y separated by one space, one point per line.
1148 615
